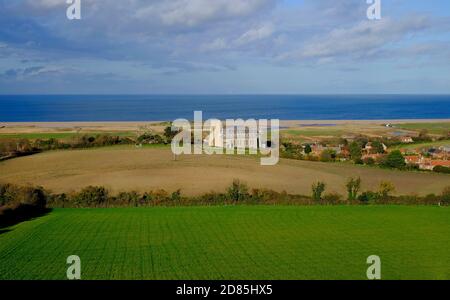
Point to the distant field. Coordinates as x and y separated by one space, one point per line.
124 168
315 132
231 243
57 135
435 128
423 145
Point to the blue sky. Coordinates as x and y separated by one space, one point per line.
224 47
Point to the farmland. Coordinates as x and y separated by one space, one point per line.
125 168
238 242
431 127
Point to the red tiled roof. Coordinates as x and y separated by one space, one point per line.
444 163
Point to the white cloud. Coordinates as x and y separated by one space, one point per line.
255 34
195 12
358 40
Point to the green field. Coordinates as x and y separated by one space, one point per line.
434 128
59 135
421 145
231 243
315 132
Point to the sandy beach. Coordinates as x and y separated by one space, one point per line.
50 127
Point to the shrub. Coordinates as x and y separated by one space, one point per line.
11 195
368 197
18 204
332 198
446 196
128 198
317 190
369 161
238 191
385 190
176 196
91 196
441 169
151 139
327 155
353 186
308 149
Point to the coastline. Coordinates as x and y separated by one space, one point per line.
30 127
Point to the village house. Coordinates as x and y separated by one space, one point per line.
374 156
368 149
426 163
406 140
317 149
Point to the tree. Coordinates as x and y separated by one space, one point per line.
169 134
385 189
369 161
308 149
395 159
446 196
441 169
327 155
377 147
355 151
317 190
353 186
423 136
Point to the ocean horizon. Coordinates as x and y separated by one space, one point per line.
104 108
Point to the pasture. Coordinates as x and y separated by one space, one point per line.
431 127
239 242
125 168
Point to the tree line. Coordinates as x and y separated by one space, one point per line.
13 196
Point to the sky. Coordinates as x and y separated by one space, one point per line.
225 47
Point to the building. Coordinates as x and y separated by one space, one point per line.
425 163
406 140
368 149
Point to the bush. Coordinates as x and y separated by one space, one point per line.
13 195
18 204
327 155
176 196
441 169
353 186
369 161
445 197
385 190
238 191
317 190
151 139
368 197
91 196
128 198
333 199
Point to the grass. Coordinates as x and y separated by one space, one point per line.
231 243
421 145
125 168
314 132
434 128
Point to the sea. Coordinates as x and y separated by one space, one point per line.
98 108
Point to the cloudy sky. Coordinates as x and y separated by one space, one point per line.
224 47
